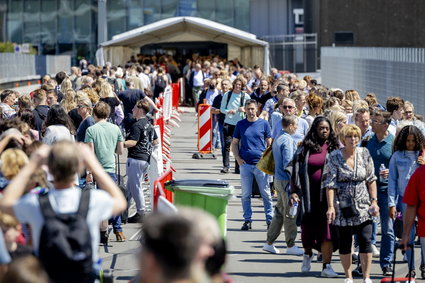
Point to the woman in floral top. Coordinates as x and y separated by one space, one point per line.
350 185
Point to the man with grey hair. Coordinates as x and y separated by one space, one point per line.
287 107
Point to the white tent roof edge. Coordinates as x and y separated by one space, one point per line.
204 23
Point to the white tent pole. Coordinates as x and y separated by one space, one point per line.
266 60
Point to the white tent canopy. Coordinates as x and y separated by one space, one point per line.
242 45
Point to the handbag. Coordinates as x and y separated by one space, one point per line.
398 226
347 206
266 163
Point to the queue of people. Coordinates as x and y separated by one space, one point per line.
332 153
346 163
337 134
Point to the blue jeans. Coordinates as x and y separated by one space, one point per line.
248 172
387 239
402 207
116 220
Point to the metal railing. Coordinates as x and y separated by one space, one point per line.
21 67
384 71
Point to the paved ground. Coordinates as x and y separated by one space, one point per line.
246 261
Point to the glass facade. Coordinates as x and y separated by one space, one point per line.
70 26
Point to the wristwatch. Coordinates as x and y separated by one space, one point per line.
372 199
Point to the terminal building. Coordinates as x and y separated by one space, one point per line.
78 27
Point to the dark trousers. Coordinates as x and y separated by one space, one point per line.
228 136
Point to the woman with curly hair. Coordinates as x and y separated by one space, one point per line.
308 164
57 126
406 158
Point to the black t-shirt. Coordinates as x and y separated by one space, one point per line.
129 98
144 133
75 117
40 114
216 104
262 98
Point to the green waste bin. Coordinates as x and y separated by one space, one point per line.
210 195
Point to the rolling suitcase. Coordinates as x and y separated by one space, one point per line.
394 279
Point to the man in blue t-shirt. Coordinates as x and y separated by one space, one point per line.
251 137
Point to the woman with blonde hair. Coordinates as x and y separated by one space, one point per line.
350 184
108 96
66 85
338 120
352 95
68 102
91 94
12 161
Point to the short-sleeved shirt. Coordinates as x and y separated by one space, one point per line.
27 210
299 134
105 137
85 124
144 133
129 98
381 152
252 136
415 195
350 184
284 148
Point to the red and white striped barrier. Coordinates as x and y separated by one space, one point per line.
204 128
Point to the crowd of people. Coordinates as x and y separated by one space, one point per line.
341 159
342 169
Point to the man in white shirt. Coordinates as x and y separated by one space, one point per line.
63 160
196 81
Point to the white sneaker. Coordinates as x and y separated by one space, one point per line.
367 280
348 280
294 251
306 263
270 248
375 251
328 272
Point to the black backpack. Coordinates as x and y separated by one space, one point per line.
160 82
65 243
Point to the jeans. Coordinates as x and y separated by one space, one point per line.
221 132
281 217
387 239
228 136
402 207
248 172
136 170
116 220
215 133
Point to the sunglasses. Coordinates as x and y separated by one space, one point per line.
287 106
